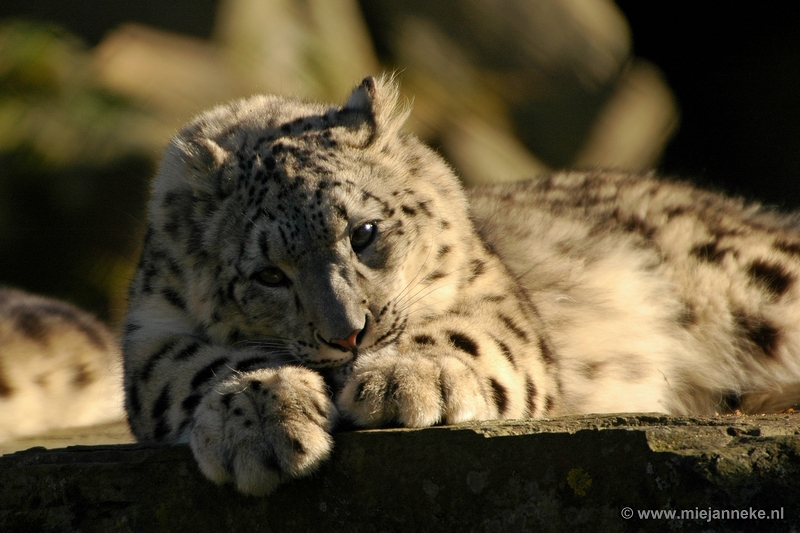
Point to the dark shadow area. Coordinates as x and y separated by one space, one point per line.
734 69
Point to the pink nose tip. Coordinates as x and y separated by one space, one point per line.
350 342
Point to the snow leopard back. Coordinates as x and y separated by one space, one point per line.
626 267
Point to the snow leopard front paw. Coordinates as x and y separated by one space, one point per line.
414 391
263 427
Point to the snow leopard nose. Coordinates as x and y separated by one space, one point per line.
350 342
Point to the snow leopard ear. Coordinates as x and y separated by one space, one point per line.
191 160
202 155
373 105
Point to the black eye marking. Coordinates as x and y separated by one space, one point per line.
363 236
272 277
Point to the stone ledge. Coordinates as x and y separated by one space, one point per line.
572 473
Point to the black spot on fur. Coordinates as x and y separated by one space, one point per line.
477 268
676 212
162 403
434 276
635 224
500 395
530 389
771 277
204 375
709 252
82 377
516 330
766 337
791 248
408 210
156 356
547 351
463 343
235 336
191 402
443 251
30 325
591 370
148 273
187 352
174 298
549 402
423 205
131 328
424 339
506 351
757 330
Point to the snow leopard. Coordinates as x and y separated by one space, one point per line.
308 267
59 366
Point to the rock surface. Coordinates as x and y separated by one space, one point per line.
567 474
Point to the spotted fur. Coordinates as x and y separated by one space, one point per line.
305 264
59 367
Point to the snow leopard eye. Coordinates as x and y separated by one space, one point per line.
272 277
363 236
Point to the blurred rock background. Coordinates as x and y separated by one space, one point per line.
90 92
